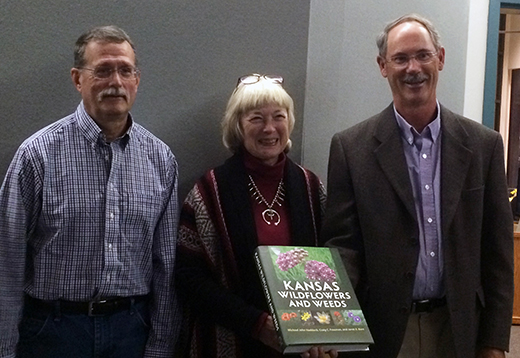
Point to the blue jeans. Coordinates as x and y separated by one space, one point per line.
121 334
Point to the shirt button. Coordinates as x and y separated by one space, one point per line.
432 254
110 246
112 215
430 220
427 187
424 156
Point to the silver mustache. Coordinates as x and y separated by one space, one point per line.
112 92
415 78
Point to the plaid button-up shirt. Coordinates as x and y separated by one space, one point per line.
82 219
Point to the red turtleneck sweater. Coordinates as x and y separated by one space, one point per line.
267 179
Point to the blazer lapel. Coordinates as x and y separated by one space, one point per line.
391 158
455 161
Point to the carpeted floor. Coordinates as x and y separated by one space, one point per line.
514 346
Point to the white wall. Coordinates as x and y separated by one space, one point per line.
344 85
476 59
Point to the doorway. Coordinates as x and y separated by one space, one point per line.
502 111
507 107
513 143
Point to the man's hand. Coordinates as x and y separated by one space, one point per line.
318 352
491 353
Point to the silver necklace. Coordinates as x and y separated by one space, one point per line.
269 215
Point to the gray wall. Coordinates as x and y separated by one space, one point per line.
190 52
344 85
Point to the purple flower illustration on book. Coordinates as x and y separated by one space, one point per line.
314 270
289 259
319 271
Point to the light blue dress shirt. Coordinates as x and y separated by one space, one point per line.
423 157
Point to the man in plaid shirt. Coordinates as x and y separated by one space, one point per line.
88 223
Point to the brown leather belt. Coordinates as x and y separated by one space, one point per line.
421 306
100 307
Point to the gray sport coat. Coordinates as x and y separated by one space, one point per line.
371 217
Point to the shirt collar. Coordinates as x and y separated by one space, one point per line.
407 131
91 130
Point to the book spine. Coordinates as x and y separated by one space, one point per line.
268 297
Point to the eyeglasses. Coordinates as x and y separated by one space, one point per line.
254 78
423 57
103 72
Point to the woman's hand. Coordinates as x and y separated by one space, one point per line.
318 352
268 336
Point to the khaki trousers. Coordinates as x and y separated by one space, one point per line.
428 335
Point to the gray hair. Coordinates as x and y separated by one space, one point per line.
382 39
110 34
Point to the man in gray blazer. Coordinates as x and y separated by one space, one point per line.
418 207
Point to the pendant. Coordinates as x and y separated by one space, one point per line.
271 216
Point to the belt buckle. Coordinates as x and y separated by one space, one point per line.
92 305
422 306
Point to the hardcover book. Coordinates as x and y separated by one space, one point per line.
311 299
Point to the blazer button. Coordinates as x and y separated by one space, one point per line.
410 275
413 241
404 309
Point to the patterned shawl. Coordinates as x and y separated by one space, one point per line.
215 270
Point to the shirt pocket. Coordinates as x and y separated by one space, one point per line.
142 212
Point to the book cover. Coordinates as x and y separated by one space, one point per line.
311 299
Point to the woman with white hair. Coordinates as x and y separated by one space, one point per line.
257 197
